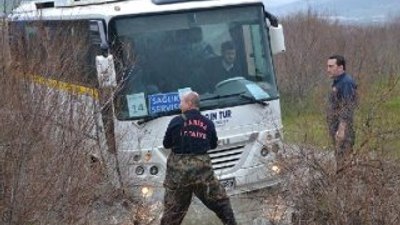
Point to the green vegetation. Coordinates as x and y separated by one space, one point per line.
306 127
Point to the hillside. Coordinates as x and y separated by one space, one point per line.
355 11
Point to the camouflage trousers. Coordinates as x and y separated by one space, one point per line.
192 174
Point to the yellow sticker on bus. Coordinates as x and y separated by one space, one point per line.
64 86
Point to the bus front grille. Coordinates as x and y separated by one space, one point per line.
225 158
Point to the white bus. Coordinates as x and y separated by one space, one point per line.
142 55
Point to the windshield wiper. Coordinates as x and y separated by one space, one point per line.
253 99
240 94
158 115
222 96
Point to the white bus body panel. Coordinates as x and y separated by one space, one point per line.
242 132
28 11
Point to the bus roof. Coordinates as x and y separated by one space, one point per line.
106 9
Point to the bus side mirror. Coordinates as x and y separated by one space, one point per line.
277 39
106 71
104 62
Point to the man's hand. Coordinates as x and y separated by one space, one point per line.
340 133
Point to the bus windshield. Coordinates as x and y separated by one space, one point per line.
223 54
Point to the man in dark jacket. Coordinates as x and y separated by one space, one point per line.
225 66
189 169
341 105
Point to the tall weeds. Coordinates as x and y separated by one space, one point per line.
51 164
51 167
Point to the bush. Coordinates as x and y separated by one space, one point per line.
365 192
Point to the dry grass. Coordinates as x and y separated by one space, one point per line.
50 175
364 193
52 172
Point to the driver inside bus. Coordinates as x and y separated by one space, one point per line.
223 67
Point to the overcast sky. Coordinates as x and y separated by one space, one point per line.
278 2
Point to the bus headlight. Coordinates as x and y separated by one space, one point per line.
276 169
153 170
147 156
268 137
136 157
264 151
275 147
147 192
277 135
139 170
